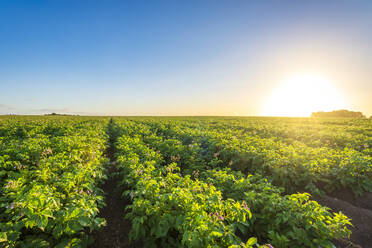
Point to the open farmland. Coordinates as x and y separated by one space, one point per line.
185 182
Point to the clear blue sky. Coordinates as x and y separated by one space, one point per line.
177 57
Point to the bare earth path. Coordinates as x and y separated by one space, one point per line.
361 236
115 233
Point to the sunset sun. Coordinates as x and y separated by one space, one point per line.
301 95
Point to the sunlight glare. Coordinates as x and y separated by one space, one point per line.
302 95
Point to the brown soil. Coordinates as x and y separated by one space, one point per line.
364 201
115 233
361 219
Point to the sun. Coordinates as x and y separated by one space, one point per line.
301 95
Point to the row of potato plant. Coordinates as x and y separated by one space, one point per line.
49 172
321 168
298 221
171 210
283 221
337 134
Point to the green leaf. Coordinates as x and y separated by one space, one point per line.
251 241
217 234
84 220
3 237
100 222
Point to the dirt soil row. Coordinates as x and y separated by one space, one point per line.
361 218
115 233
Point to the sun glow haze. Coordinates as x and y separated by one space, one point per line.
301 95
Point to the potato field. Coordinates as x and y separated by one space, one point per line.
70 181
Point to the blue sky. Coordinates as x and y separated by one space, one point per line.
177 57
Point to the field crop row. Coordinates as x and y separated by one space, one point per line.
190 182
49 171
178 200
321 168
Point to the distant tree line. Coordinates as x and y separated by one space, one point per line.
60 114
338 114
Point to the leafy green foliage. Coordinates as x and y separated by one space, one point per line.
171 210
193 182
165 164
282 149
49 171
